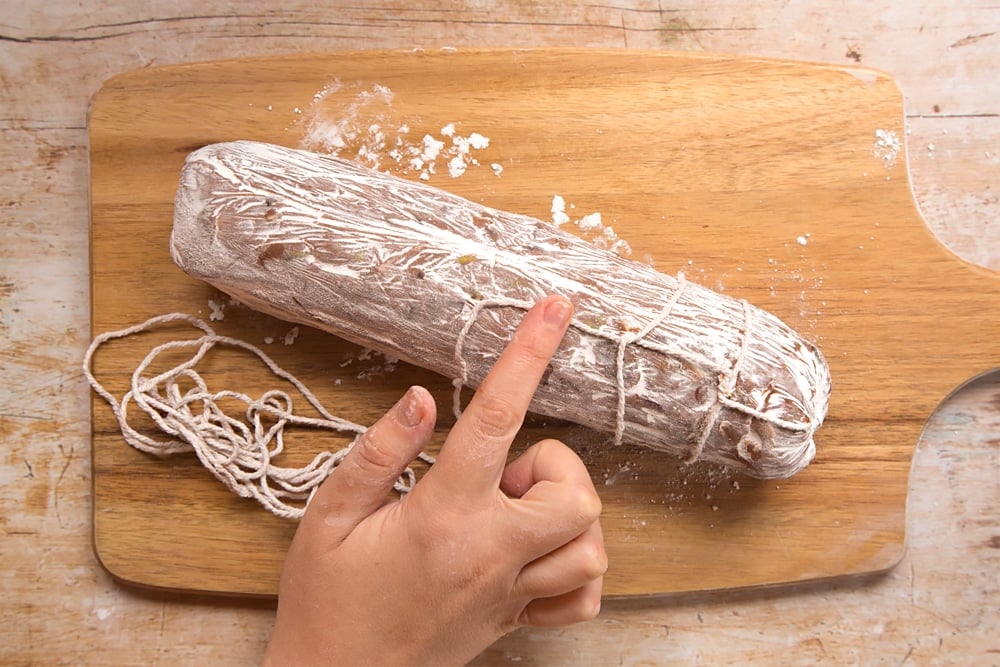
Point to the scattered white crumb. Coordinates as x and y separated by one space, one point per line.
559 216
801 240
497 168
291 336
356 126
337 381
591 221
456 166
432 148
478 142
218 310
887 147
268 340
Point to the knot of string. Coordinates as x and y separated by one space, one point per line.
239 452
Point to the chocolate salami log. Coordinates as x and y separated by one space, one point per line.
442 282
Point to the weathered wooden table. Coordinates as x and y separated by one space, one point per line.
939 606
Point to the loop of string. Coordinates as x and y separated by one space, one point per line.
240 453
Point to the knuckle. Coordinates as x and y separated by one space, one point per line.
594 562
372 454
589 608
497 418
585 503
548 444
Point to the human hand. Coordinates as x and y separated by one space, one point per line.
476 549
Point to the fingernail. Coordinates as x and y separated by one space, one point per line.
557 312
411 409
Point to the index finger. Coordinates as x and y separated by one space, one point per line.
473 456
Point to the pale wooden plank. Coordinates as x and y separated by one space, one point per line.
60 608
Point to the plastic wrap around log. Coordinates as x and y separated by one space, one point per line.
441 282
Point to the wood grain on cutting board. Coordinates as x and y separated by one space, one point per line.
773 181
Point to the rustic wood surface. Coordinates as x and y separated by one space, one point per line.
937 607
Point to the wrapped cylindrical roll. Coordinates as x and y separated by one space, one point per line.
441 282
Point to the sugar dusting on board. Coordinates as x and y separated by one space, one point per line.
591 227
886 148
357 122
370 364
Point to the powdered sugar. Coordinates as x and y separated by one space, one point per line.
217 309
370 363
358 122
887 147
558 211
590 222
592 228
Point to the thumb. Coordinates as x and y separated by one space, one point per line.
359 485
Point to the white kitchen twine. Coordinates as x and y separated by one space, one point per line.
238 452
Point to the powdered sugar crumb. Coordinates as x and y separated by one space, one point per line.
431 149
218 309
592 227
372 363
558 210
291 336
456 166
887 147
361 131
591 221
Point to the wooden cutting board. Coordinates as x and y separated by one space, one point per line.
780 182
